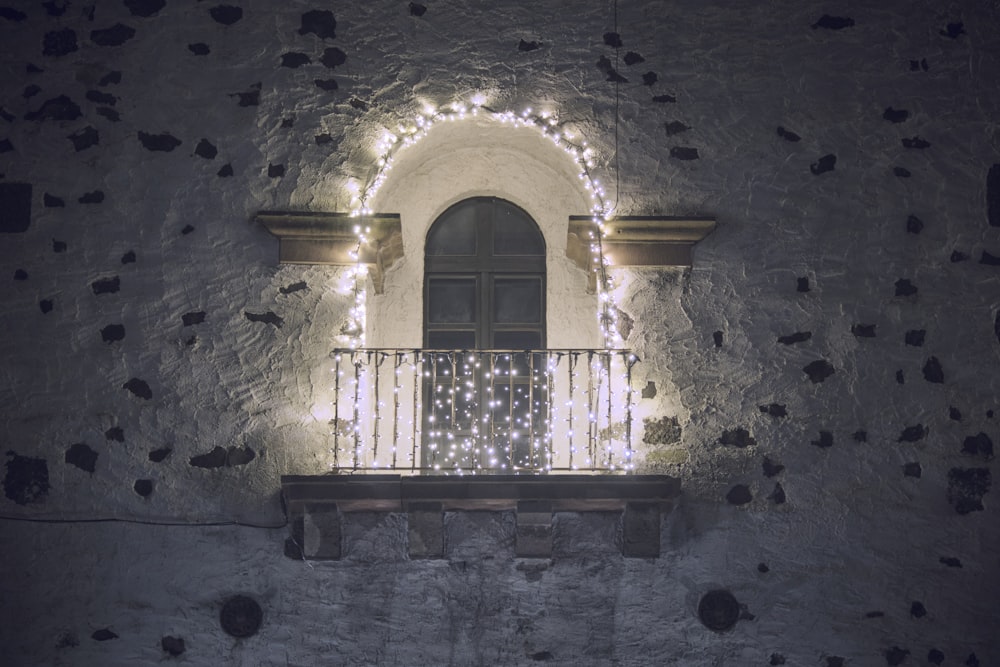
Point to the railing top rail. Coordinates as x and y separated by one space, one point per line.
434 350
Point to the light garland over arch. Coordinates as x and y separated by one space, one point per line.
547 124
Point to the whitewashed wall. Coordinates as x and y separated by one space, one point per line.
146 312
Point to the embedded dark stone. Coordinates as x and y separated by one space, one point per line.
59 42
144 487
95 197
109 113
320 22
738 437
145 8
241 616
12 14
662 431
916 66
895 115
833 22
912 433
417 9
958 256
82 456
103 635
267 318
834 661
112 333
613 39
226 14
966 487
717 337
106 285
323 139
15 207
914 225
915 142
332 57
895 655
718 610
199 49
250 98
649 78
993 195
825 440
115 433
275 170
195 317
989 259
802 285
863 330
649 391
912 469
818 370
823 165
763 568
116 35
900 379
289 122
875 614
6 146
206 150
56 7
953 30
771 468
788 135
978 445
933 371
527 46
219 457
98 97
664 99
225 171
675 127
633 58
33 69
139 388
915 337
158 455
778 495
31 91
20 274
172 645
905 288
26 480
294 287
57 108
917 609
954 414
58 246
326 84
292 549
358 104
950 561
972 661
901 172
113 76
777 659
294 59
774 409
935 657
739 495
159 142
684 153
187 229
46 305
989 414
791 339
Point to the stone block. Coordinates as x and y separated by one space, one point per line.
426 530
316 528
534 529
641 530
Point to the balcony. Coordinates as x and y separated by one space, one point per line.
465 412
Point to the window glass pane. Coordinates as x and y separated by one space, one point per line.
517 340
514 233
454 233
451 340
451 301
517 300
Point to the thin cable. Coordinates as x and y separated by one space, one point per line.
618 178
146 522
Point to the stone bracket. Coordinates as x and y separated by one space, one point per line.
331 238
315 528
533 533
425 529
641 530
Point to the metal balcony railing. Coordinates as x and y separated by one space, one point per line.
416 411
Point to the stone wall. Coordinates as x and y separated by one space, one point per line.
824 380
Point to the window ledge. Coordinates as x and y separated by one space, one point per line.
646 240
329 238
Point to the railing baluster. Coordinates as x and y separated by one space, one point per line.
336 411
357 416
376 416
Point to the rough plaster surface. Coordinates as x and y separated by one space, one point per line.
146 314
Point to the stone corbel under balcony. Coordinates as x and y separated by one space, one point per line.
329 238
646 240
